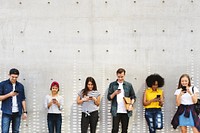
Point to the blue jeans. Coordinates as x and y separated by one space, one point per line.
154 118
54 122
5 122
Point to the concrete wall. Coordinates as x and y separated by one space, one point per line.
68 40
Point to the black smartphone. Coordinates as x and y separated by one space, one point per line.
158 96
118 89
16 91
90 96
184 89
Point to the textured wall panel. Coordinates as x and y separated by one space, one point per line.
68 40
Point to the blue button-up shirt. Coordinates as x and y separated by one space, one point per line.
5 88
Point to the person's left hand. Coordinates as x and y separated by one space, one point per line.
24 116
130 108
93 98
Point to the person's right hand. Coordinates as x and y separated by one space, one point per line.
12 93
117 92
155 100
182 93
86 98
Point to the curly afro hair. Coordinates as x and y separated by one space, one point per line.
151 79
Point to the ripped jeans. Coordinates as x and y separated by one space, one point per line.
154 118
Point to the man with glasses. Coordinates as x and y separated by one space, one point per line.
13 102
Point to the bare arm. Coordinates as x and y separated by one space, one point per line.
148 102
96 100
115 93
80 100
24 106
161 100
178 98
194 96
24 116
3 97
145 101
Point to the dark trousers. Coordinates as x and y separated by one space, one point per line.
124 119
54 122
154 119
87 120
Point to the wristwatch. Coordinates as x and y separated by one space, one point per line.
25 112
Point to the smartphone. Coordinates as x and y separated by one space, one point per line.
90 96
184 89
119 89
158 96
16 91
54 100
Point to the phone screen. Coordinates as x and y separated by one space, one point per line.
158 96
184 89
16 91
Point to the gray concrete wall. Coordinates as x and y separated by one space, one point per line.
68 40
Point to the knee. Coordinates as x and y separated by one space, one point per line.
183 129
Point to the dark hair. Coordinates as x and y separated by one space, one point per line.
14 71
85 90
183 75
121 70
150 80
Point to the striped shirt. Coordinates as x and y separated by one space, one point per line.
89 106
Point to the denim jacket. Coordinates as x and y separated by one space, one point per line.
5 88
128 92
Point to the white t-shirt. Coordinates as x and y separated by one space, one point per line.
120 101
14 102
186 98
54 108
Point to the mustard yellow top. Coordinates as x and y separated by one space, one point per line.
150 94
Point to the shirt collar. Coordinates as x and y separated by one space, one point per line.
122 84
11 82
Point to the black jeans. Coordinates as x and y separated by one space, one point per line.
87 120
124 119
54 122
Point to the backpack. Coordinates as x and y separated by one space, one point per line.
196 105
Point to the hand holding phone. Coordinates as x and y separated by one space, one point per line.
54 100
16 91
158 96
117 91
184 89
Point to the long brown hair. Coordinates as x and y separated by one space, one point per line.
85 90
184 75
